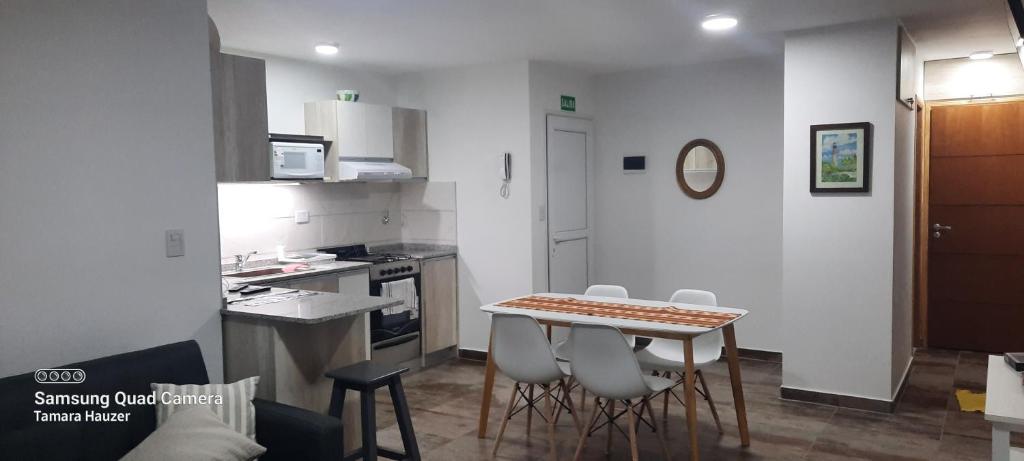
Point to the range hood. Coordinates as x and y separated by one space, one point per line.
370 170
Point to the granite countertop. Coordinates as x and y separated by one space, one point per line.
417 250
305 307
317 269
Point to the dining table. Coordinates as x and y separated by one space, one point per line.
632 316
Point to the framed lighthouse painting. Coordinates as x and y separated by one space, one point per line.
841 157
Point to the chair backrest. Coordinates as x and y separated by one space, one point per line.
611 291
708 341
604 363
521 351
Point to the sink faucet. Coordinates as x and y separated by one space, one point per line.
240 260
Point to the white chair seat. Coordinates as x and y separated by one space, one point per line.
566 368
667 355
657 383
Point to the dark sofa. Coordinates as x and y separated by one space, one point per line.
289 433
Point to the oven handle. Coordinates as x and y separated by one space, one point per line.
395 341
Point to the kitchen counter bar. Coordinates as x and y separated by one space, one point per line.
314 309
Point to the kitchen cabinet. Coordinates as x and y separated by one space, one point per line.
410 139
239 92
358 131
439 304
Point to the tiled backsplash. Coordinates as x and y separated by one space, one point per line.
258 217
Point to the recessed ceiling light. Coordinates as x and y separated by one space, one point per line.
980 55
718 22
1020 42
327 48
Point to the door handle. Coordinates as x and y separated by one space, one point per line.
570 239
938 229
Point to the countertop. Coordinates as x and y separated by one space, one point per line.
417 250
311 308
317 269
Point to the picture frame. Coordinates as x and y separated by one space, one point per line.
841 157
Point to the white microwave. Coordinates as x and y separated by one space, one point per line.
296 160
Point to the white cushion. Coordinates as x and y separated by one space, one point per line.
195 433
235 409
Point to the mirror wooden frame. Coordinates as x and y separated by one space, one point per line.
719 177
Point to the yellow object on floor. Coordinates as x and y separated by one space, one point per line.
970 401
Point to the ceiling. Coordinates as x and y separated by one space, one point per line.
596 35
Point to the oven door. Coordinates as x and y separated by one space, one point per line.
395 337
297 161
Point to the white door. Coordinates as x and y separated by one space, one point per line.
569 140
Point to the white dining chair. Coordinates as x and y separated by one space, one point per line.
665 356
604 364
523 353
563 350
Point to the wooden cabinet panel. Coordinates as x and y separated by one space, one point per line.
239 86
410 139
440 305
380 141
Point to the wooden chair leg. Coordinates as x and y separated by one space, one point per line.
711 403
505 418
550 411
611 425
586 430
664 406
529 410
572 408
631 432
657 430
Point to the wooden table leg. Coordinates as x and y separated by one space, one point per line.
732 354
690 393
485 405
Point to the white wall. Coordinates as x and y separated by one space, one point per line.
838 248
1002 75
291 83
474 115
105 141
652 238
903 244
548 82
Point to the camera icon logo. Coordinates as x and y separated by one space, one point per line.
60 375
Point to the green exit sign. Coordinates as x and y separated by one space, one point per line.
569 103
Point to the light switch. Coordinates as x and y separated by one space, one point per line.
301 216
174 241
542 213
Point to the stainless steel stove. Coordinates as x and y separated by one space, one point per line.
394 332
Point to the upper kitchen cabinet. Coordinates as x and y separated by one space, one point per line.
372 132
240 118
410 134
358 131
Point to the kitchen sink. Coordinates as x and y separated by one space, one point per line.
257 272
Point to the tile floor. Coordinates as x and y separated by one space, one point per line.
927 424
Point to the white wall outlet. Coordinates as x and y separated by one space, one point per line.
174 241
301 216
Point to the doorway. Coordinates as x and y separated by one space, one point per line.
569 142
971 226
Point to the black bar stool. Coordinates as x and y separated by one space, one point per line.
366 377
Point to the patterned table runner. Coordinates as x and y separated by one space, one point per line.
691 317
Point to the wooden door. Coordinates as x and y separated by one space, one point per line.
976 227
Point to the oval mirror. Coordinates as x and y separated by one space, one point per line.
700 168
